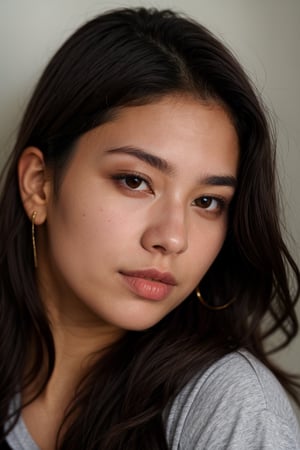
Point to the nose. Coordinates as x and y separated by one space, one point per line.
166 231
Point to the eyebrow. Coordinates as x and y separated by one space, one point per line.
220 180
155 161
164 166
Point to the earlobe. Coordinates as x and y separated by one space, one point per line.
33 183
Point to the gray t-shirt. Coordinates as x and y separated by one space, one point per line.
236 404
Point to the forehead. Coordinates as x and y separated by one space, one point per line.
176 128
169 119
194 115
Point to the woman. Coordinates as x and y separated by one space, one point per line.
142 263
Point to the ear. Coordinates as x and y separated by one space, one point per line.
34 185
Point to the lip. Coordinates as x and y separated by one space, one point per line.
152 274
150 284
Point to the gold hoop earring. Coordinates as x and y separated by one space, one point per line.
33 217
206 305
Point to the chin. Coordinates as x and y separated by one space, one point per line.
140 324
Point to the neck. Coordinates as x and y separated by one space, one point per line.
77 344
79 338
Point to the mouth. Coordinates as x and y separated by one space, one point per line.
152 275
149 284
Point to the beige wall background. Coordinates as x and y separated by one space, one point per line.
264 34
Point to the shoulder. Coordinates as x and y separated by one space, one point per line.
237 403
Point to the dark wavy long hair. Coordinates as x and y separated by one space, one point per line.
134 57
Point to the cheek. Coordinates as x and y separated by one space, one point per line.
205 246
217 240
211 234
84 234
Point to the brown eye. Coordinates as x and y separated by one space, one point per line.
211 204
133 182
204 202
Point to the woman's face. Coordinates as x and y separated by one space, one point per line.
141 213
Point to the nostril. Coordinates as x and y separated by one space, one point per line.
159 247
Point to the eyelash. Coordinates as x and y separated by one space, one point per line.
221 204
122 179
